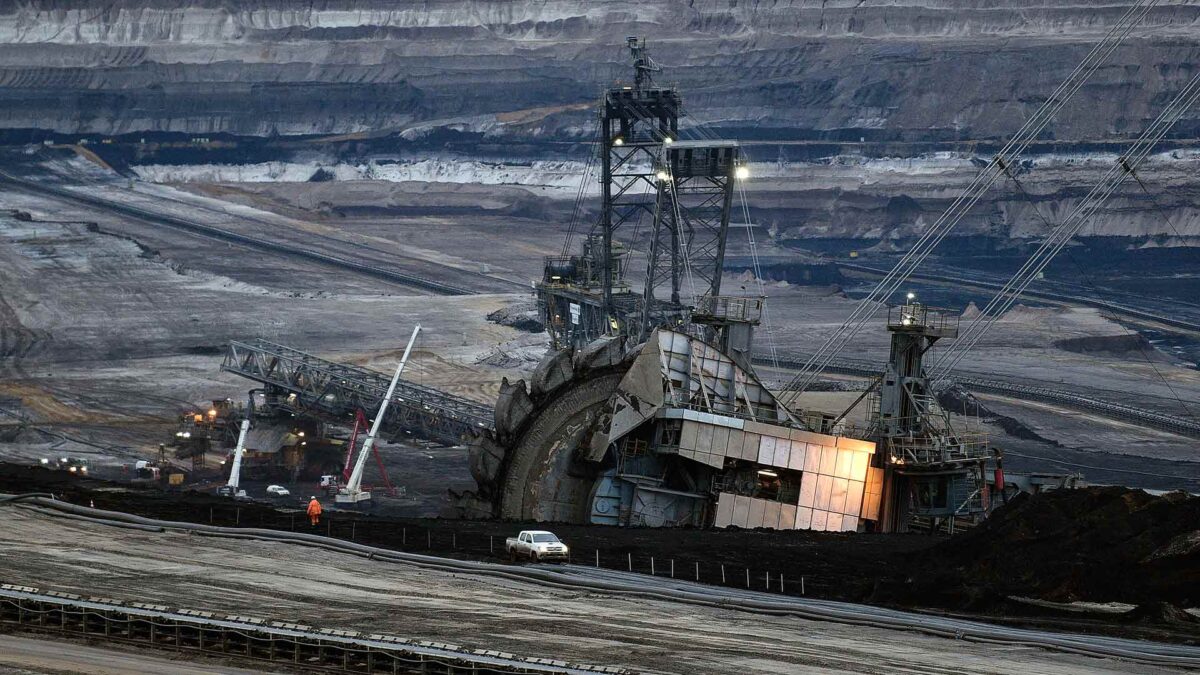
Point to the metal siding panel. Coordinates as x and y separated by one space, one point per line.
687 437
837 497
870 509
824 490
771 515
796 456
787 517
737 438
828 460
704 437
854 498
741 508
803 517
812 459
812 437
783 452
724 517
845 460
757 507
855 445
720 441
808 489
766 450
834 522
858 471
819 519
750 447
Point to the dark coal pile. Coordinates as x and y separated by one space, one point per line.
1108 544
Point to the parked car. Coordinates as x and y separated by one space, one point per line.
536 545
278 490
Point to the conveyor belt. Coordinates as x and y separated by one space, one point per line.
260 639
337 390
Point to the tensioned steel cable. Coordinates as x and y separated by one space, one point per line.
1071 225
1012 150
577 208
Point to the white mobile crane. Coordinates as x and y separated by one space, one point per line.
353 493
230 488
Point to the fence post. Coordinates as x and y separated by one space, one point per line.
747 577
403 537
630 557
237 517
781 582
353 529
801 585
597 557
651 565
453 540
768 577
210 515
722 574
491 543
697 571
672 568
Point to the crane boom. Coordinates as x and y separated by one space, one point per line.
235 473
353 492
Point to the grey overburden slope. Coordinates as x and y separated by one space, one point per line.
882 70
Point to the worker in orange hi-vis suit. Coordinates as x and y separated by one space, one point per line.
314 511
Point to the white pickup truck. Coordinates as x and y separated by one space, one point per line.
536 545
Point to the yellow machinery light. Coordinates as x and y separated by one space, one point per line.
663 175
618 141
668 140
742 172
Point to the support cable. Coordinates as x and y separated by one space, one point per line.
1061 235
1095 289
929 240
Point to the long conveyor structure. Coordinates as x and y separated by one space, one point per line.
304 383
246 637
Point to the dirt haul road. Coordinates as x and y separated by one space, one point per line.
326 589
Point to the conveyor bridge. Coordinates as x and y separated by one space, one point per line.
304 384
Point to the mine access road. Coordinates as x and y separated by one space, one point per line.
566 616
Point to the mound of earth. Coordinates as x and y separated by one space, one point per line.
1100 544
520 315
1116 345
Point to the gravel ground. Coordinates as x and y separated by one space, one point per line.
328 589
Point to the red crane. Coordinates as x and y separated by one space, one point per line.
360 423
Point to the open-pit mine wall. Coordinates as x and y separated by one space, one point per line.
914 70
